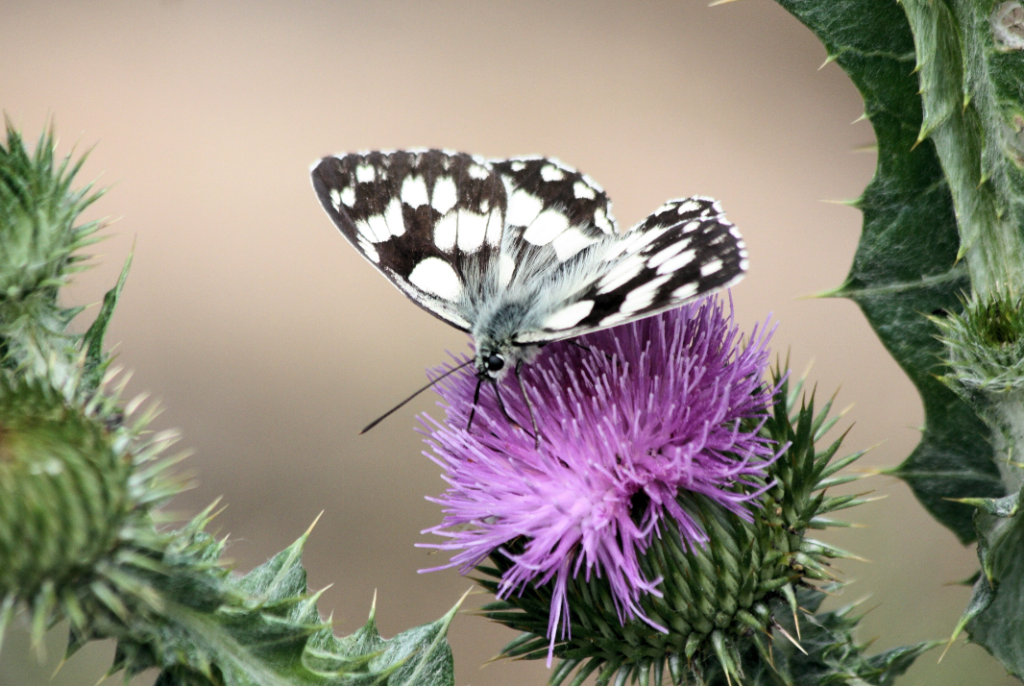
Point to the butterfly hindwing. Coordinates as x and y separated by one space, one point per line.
685 250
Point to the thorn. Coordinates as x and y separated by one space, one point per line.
845 203
859 119
949 644
828 60
868 147
310 529
791 639
716 3
837 292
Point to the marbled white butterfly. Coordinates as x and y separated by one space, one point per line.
521 252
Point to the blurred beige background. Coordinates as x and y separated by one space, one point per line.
270 342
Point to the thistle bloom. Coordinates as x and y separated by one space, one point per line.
634 421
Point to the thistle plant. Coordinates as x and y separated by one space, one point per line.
659 525
662 521
82 480
938 271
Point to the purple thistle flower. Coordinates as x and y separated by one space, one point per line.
631 424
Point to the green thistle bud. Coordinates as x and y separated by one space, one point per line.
985 353
64 490
40 237
721 603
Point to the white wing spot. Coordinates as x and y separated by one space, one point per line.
687 290
678 262
394 217
548 225
667 253
379 227
365 231
582 190
744 265
348 196
551 173
691 226
445 232
523 208
506 268
568 317
495 225
477 172
622 274
472 228
711 267
335 199
613 319
518 166
601 221
445 195
570 242
436 276
364 173
643 295
368 250
689 206
414 191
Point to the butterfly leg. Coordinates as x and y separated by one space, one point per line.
501 406
529 403
476 399
588 348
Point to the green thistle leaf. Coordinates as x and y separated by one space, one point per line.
906 263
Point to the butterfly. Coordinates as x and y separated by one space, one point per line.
521 252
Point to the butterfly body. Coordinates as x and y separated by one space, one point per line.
521 252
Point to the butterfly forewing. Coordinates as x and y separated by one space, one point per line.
430 221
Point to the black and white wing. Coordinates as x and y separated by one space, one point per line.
682 252
430 221
526 245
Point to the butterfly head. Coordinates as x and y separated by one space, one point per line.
493 361
494 358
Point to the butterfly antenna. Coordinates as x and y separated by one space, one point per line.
501 406
529 404
476 400
394 409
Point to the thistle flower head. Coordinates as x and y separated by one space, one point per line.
636 424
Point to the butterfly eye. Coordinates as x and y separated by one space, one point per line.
495 362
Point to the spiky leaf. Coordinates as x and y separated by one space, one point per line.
906 263
993 617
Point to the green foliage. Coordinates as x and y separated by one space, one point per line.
828 654
39 243
202 626
906 263
721 602
993 616
80 478
949 185
65 486
972 88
